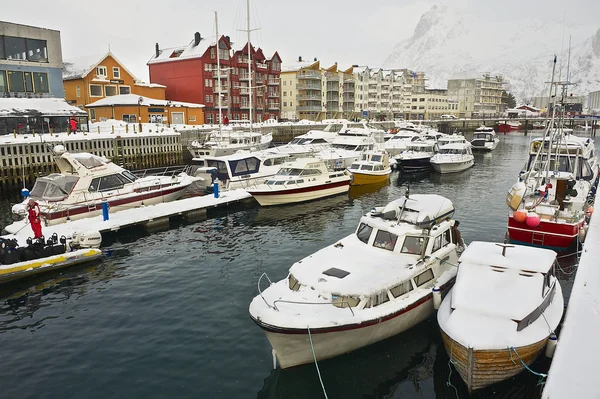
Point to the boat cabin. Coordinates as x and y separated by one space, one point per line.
456 149
573 155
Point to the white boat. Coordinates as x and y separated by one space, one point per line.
373 167
501 311
451 139
368 286
485 138
345 150
241 170
453 158
398 142
304 179
417 156
86 181
307 144
229 142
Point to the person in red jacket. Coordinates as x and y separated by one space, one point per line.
73 125
33 209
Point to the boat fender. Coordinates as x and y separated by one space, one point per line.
551 345
583 232
63 240
437 297
533 220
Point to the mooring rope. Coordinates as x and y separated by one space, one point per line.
316 364
542 375
450 363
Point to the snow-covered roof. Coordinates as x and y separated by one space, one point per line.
421 208
142 84
296 66
467 75
188 51
456 146
37 107
132 99
516 257
80 66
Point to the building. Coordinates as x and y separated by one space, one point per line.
478 94
430 104
127 107
593 103
191 75
302 90
30 61
89 79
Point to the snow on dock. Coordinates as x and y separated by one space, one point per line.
151 217
574 367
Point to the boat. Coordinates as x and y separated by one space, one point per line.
303 179
39 255
86 181
538 125
373 167
398 142
368 286
306 145
508 126
453 158
241 170
485 138
499 315
417 156
346 149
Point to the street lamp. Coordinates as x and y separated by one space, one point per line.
140 101
168 111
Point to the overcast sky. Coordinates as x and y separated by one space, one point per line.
349 32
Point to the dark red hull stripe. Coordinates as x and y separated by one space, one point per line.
113 203
325 330
301 190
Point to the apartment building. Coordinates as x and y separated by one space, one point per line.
593 101
478 94
247 85
431 104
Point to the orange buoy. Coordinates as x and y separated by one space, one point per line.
520 216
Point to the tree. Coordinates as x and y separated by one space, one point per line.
508 99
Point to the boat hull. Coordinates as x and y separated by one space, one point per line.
82 211
360 179
415 165
292 347
556 236
281 197
506 127
482 145
452 167
481 368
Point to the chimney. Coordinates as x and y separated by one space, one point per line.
197 38
228 40
157 50
300 59
315 59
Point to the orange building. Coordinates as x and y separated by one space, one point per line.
127 107
87 80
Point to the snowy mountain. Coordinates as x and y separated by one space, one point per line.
450 40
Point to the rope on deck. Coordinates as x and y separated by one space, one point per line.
316 364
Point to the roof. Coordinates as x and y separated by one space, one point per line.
296 66
132 99
81 66
37 107
142 84
516 257
456 146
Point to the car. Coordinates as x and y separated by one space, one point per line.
448 117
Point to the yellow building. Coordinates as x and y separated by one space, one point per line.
89 79
127 107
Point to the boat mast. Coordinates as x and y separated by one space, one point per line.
218 76
249 62
550 128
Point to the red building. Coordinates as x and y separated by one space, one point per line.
190 74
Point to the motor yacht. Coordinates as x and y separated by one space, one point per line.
228 142
373 167
303 179
417 156
86 181
498 317
398 142
453 158
366 287
485 138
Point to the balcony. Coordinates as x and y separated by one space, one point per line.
244 91
223 75
348 88
332 77
372 90
273 82
273 106
273 94
222 90
302 97
308 75
262 65
244 76
244 106
309 108
309 86
224 104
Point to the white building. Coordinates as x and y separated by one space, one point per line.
478 94
593 101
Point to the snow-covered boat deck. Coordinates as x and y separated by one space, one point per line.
574 368
154 217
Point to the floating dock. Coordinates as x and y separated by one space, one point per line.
574 367
152 218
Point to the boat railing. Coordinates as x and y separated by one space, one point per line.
312 303
170 171
260 291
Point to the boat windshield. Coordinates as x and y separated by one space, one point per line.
450 151
366 167
54 187
564 163
298 172
385 240
482 136
364 232
300 140
244 166
413 245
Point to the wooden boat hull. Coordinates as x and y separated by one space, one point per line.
361 179
481 368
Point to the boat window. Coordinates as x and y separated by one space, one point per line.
366 167
385 240
585 171
310 172
244 166
344 301
279 182
89 161
364 157
271 182
437 244
293 283
268 162
319 141
354 166
379 298
38 189
376 158
446 238
300 181
220 165
94 185
289 172
412 245
110 182
424 277
364 232
401 289
129 175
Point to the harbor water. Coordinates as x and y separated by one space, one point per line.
166 315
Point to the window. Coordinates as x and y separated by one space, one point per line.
385 240
3 81
401 289
412 245
110 182
129 118
40 81
212 53
364 232
95 91
209 118
110 90
28 82
124 90
437 244
1 48
15 47
116 72
16 82
424 277
77 91
101 71
285 104
92 113
36 50
192 118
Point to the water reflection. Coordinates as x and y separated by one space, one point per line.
359 191
452 178
415 177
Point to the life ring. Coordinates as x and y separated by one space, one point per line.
536 146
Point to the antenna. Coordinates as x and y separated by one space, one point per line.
504 246
219 93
